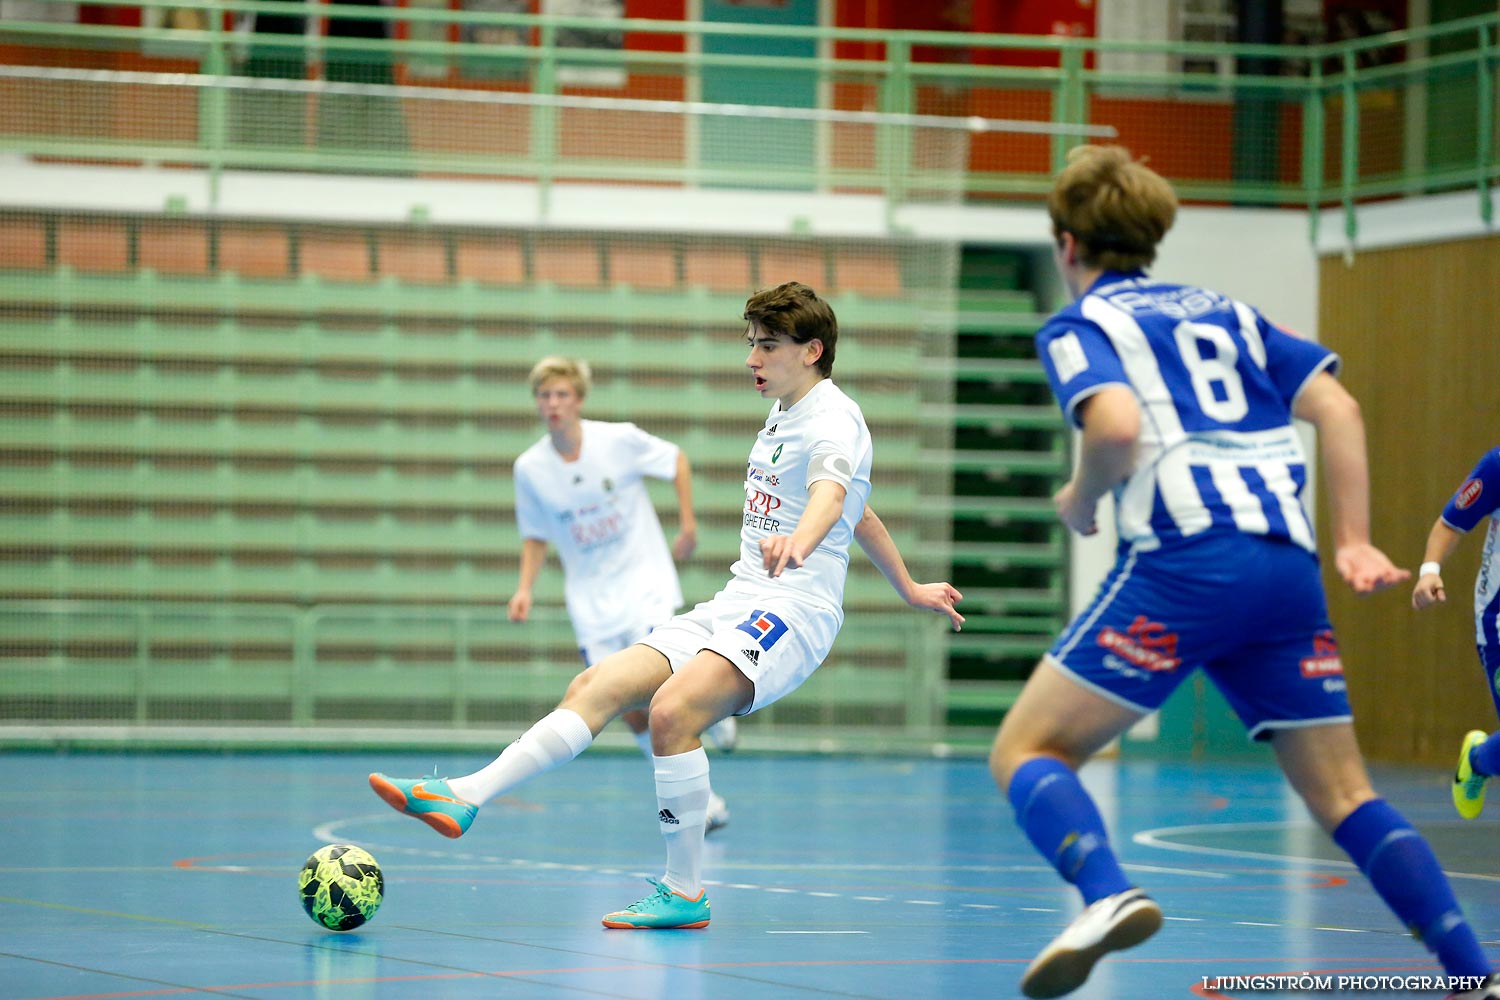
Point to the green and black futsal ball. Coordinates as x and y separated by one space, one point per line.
341 886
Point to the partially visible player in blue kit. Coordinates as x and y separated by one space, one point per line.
1185 398
1476 499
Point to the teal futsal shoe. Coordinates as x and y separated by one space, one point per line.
1468 786
429 799
664 909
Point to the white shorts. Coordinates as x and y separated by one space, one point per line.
777 638
595 649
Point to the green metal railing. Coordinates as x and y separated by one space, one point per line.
422 674
1327 125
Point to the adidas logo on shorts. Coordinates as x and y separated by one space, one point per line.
753 655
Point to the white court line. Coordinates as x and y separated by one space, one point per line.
817 932
330 832
1190 872
1156 838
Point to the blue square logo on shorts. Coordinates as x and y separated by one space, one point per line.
764 627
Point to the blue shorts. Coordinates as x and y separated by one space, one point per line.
1489 658
1249 612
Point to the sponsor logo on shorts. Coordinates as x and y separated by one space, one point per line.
1124 669
753 655
1467 494
1325 660
1146 644
764 627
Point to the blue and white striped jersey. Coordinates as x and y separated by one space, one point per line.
1216 384
1477 498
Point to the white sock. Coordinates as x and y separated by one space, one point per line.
554 740
682 801
643 740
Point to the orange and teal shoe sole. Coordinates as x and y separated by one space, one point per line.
431 807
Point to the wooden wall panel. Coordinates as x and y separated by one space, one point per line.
1419 330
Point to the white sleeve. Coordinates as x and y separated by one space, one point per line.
654 456
832 453
531 513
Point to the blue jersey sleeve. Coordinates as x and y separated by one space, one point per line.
1292 361
1079 360
1478 496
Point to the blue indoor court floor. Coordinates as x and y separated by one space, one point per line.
170 875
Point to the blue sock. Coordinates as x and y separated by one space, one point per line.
1485 758
1061 821
1404 871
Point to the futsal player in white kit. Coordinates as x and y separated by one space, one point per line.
582 489
806 486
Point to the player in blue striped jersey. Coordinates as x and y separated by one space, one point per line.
1185 399
1477 498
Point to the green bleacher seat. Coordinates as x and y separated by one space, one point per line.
312 426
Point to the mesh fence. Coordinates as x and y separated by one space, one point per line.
257 123
258 453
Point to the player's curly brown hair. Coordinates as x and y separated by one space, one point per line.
795 311
1117 208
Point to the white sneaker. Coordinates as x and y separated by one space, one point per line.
724 734
1113 923
1489 991
717 816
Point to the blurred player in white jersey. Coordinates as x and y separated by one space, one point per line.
757 640
1185 399
1477 498
581 488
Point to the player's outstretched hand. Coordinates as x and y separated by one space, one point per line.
1073 511
778 552
684 545
519 608
1367 569
1428 591
939 597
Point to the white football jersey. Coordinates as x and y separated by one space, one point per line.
824 429
596 512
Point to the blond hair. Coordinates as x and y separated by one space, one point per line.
574 370
1117 208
